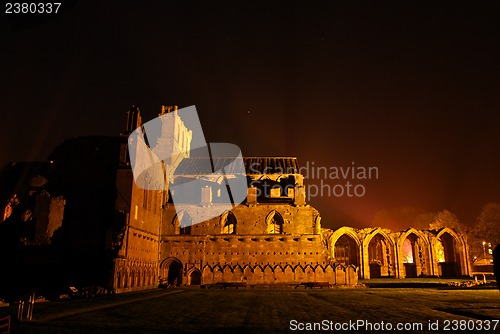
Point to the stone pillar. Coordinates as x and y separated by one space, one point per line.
206 196
252 196
434 261
365 258
300 195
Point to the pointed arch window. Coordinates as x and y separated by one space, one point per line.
228 223
275 223
346 250
182 223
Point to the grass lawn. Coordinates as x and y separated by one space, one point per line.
256 310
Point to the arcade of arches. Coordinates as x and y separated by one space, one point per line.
412 253
339 257
350 254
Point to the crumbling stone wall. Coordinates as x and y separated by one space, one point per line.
250 219
298 253
258 259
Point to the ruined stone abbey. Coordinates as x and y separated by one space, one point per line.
128 238
274 237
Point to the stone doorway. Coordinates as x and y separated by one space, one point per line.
195 277
171 272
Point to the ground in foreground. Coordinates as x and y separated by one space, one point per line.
264 310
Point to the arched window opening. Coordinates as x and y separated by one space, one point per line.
195 277
275 223
380 257
183 223
229 223
346 250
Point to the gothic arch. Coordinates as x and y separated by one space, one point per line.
275 222
227 267
228 223
268 266
378 255
126 279
247 266
119 279
449 231
248 275
454 262
144 275
207 275
417 233
171 271
341 232
413 254
194 276
133 276
345 246
148 277
238 273
182 223
376 231
138 277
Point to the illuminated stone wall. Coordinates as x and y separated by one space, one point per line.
407 254
266 244
136 266
274 237
253 259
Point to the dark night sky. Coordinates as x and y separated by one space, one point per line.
410 88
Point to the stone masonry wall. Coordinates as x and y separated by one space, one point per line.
250 219
257 259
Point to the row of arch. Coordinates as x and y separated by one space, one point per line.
125 279
173 273
368 253
411 253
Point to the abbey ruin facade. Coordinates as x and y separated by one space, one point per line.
109 232
274 237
